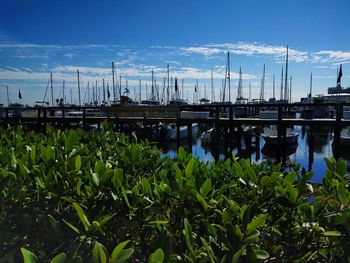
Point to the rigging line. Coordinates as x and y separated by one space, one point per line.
47 87
85 94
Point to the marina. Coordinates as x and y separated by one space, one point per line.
174 131
259 134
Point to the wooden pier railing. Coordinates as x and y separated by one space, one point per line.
220 115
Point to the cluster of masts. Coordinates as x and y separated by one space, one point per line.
168 93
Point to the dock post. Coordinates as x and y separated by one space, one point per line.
84 118
279 133
337 130
231 129
38 119
239 137
116 120
6 116
257 147
63 119
189 134
45 117
226 140
311 148
178 129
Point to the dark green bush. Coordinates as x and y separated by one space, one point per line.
78 196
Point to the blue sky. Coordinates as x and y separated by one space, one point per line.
39 37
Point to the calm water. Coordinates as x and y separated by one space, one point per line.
322 146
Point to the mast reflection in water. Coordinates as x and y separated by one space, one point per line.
312 146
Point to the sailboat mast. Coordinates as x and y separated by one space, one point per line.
197 91
167 92
63 91
139 90
273 86
239 92
286 79
281 95
97 93
71 96
229 76
152 88
182 89
250 91
8 97
212 86
310 85
262 89
290 90
88 91
104 91
79 87
120 86
113 80
51 89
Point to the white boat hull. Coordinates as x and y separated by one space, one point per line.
270 136
171 132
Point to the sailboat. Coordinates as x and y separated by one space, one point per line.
270 133
153 100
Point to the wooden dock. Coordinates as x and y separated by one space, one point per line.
219 115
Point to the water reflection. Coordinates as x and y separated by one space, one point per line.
313 145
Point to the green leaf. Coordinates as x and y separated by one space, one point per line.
117 178
146 187
33 153
78 187
206 187
237 255
343 193
292 193
250 172
82 216
77 162
157 256
189 168
60 258
99 253
261 254
119 254
181 154
71 226
104 220
28 257
178 175
99 168
159 222
257 222
302 185
188 236
332 234
329 163
341 167
202 201
290 178
252 236
95 178
208 249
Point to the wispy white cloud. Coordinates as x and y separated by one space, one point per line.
206 51
249 49
331 56
325 67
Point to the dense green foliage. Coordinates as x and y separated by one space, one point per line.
78 196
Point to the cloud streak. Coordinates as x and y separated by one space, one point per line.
278 53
